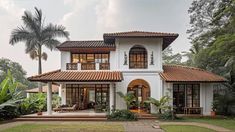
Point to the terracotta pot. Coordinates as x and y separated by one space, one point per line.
213 114
39 113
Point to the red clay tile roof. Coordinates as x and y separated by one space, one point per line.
55 89
79 76
140 34
177 73
85 44
168 38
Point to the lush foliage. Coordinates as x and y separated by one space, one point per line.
212 37
16 70
10 96
169 58
161 105
122 115
35 103
128 98
35 34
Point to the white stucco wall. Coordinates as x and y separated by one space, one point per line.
153 79
206 97
65 58
123 45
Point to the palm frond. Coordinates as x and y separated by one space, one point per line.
38 16
33 54
120 94
30 23
51 43
31 45
44 56
53 31
19 34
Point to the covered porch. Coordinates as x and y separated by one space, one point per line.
191 89
81 91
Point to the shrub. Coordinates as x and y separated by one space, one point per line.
9 112
167 115
33 104
122 115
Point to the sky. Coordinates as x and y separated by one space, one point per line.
89 19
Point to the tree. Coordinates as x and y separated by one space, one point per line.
16 70
212 32
170 58
35 35
128 98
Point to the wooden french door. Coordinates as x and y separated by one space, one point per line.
179 98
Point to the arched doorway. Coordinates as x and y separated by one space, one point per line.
141 90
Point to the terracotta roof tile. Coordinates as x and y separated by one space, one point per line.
168 38
177 73
78 76
140 34
86 44
55 89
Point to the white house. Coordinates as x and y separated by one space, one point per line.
93 71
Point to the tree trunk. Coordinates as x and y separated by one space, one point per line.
39 67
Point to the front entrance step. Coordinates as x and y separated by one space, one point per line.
146 116
60 119
64 116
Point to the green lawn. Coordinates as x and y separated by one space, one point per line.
182 128
65 128
226 123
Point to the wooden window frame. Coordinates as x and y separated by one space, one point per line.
133 58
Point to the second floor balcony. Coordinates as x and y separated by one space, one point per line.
87 66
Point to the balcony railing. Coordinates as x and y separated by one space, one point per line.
104 66
71 66
87 66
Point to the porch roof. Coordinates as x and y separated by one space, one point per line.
78 76
55 89
177 73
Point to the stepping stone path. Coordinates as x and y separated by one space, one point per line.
143 126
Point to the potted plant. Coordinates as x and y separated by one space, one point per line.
213 108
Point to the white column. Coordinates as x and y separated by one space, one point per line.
27 95
49 98
60 90
97 66
111 96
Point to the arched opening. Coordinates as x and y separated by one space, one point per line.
138 58
141 90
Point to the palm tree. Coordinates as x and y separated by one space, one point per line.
128 98
35 35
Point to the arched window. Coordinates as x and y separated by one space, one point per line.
138 58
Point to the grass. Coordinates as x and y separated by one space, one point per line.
226 123
184 128
65 128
